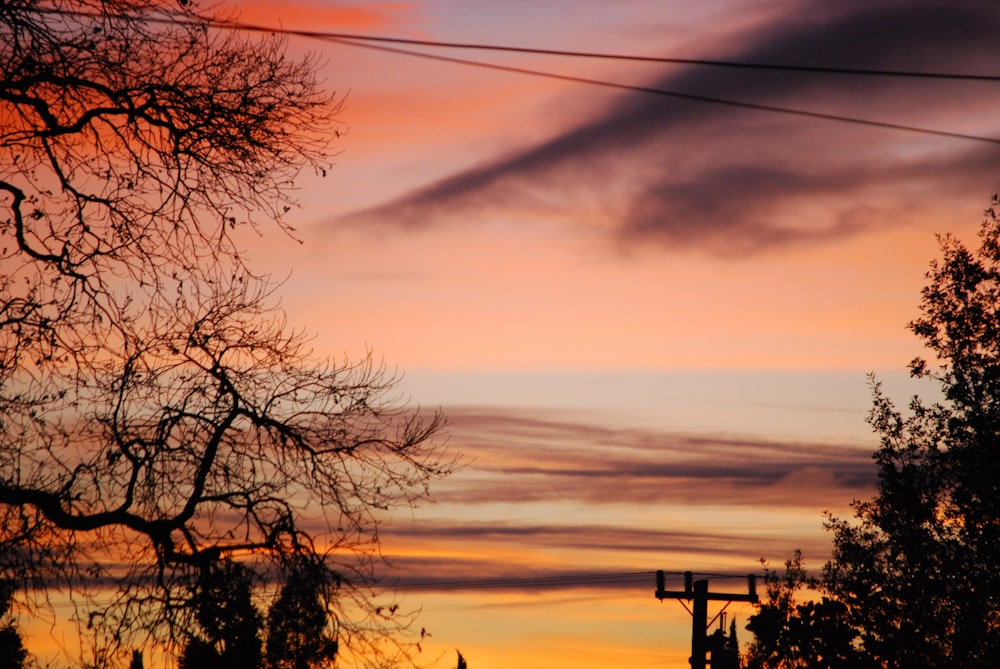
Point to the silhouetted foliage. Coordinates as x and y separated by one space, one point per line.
136 662
919 572
13 654
461 661
790 635
914 580
724 649
229 624
156 414
298 634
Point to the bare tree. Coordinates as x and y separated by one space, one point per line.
157 415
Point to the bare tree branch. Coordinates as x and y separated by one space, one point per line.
157 416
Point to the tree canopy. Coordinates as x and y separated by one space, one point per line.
914 579
157 414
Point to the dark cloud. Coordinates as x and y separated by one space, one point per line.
442 573
492 567
534 478
584 537
732 180
524 458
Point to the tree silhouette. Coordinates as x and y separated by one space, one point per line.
297 624
913 580
13 654
158 416
793 635
229 623
918 570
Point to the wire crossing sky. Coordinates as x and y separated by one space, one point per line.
563 581
778 67
678 94
373 42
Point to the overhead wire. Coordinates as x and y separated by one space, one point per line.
601 55
811 69
549 582
366 41
694 97
562 580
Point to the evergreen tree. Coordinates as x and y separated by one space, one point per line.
228 621
297 634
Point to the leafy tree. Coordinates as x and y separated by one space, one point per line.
918 571
157 417
770 625
914 579
810 635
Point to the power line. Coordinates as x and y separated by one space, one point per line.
364 42
599 55
811 69
541 582
678 94
548 582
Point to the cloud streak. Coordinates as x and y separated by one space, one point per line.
520 458
538 484
732 181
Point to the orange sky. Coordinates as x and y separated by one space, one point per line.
648 319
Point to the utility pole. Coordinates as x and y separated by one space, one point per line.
697 593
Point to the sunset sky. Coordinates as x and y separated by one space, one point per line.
649 319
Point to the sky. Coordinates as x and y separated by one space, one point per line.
649 319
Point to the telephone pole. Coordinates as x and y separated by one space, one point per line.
697 593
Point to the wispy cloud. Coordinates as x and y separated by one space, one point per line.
494 564
728 180
521 458
536 485
441 574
